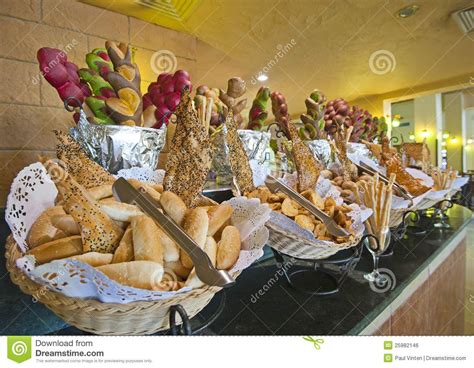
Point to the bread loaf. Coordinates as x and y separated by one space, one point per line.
139 274
124 252
147 245
218 216
119 211
195 224
57 249
43 230
173 206
66 224
228 248
94 259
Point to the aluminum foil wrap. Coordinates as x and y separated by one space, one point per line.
321 150
117 147
255 145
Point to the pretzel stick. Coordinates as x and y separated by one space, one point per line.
379 195
386 208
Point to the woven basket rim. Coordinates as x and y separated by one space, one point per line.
22 280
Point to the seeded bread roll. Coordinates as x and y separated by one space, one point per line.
173 206
228 248
218 216
139 274
43 230
57 249
124 252
195 224
147 245
119 211
94 259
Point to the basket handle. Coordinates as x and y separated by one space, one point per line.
185 328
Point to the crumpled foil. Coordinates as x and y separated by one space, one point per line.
117 147
321 150
255 145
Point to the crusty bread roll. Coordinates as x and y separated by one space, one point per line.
210 248
193 281
124 252
173 206
147 244
94 259
195 224
178 269
158 187
139 274
66 224
228 248
145 188
57 249
43 231
119 211
170 248
101 191
218 216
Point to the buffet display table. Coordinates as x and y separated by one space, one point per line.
427 299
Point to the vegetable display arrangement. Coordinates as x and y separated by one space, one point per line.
280 111
258 112
109 88
313 122
163 97
204 93
335 114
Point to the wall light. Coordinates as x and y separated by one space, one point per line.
443 143
445 135
454 140
425 133
470 141
411 137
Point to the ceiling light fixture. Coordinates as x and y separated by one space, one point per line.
262 77
407 11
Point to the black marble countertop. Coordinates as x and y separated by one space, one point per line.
262 303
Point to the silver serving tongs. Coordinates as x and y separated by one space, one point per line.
398 188
124 192
333 228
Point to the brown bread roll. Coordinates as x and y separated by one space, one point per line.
173 206
43 231
228 248
124 252
139 274
57 249
195 224
66 224
94 259
218 216
147 245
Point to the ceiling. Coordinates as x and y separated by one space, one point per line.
324 44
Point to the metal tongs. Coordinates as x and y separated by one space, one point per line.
333 228
124 192
362 166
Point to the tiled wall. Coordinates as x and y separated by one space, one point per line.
29 106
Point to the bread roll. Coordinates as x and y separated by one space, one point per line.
178 269
170 249
228 248
57 249
43 231
139 274
124 252
218 216
195 224
211 249
193 281
94 259
147 244
145 188
119 211
66 224
101 191
173 206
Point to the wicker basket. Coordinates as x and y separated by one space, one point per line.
294 246
136 318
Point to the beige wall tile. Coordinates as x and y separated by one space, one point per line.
154 37
18 82
85 18
31 127
21 40
11 162
24 9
